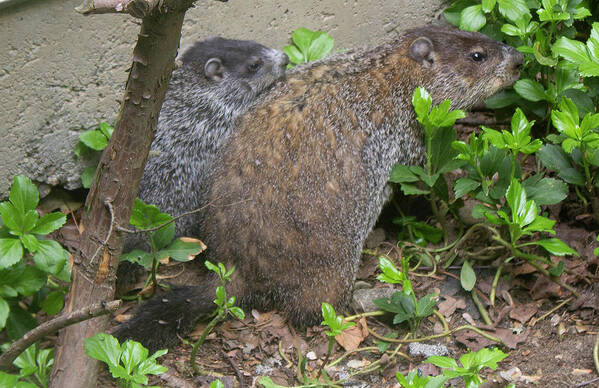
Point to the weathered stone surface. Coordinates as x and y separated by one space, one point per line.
61 72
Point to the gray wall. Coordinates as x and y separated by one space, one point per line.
61 72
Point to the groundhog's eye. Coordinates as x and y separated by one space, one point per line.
254 64
478 56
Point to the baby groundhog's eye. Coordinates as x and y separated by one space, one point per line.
254 64
478 56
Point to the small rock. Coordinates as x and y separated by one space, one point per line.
362 298
426 350
375 237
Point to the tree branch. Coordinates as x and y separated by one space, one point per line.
135 8
54 325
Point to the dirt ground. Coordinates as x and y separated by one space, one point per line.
548 334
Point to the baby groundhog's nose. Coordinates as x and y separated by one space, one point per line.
285 60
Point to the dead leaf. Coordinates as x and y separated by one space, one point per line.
351 338
523 313
449 305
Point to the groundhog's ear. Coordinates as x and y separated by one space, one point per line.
421 50
213 69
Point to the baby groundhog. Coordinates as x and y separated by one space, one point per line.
300 183
218 81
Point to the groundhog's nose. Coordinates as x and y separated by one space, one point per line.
517 58
285 60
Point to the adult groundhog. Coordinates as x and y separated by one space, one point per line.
299 185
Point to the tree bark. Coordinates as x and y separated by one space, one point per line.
115 186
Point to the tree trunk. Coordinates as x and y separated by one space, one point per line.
111 197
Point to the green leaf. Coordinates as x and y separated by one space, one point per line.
53 302
494 137
467 276
4 311
237 312
50 257
30 242
572 50
133 353
472 18
94 139
103 347
11 217
401 173
545 191
29 280
19 322
87 176
530 90
320 46
267 382
11 251
181 250
554 158
488 5
409 189
390 273
558 270
295 56
426 305
422 101
216 384
516 199
513 9
23 194
442 362
49 223
557 247
9 381
302 38
106 129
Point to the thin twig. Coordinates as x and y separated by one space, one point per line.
54 325
232 363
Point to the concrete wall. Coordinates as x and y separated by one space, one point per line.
61 72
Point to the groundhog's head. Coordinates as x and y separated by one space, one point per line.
466 67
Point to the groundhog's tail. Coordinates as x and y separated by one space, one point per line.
160 320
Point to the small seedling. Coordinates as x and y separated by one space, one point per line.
160 229
225 306
90 142
34 366
129 363
414 379
308 46
471 365
404 303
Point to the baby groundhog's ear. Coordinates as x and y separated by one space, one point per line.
421 50
214 69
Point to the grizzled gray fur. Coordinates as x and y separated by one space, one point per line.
218 81
300 183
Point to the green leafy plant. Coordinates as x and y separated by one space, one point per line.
308 46
129 363
414 379
525 220
492 162
471 365
577 161
28 261
160 229
34 366
544 32
224 306
438 132
90 142
404 304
